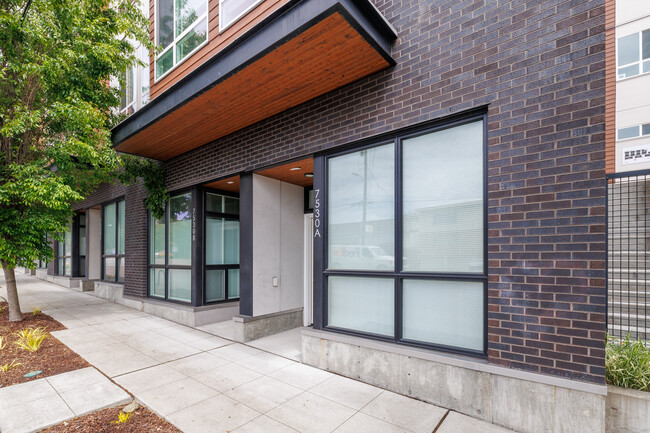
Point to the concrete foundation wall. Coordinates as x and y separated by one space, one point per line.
185 315
524 402
251 328
277 245
628 411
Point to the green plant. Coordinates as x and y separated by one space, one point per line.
122 418
31 338
36 311
5 368
627 363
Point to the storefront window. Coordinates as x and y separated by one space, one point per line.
221 247
406 239
170 251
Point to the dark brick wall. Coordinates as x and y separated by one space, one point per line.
135 277
539 67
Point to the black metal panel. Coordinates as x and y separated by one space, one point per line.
246 244
197 246
281 26
319 252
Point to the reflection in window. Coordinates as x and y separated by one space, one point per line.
362 210
181 27
232 10
170 251
433 293
114 240
633 53
221 247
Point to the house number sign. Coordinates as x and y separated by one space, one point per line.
317 216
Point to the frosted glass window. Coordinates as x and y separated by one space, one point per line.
180 230
110 227
82 241
109 268
215 285
121 216
221 241
362 304
157 242
233 283
442 191
448 313
361 210
180 284
157 282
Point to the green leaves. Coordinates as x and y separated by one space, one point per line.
56 111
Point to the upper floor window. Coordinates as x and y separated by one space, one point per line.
181 28
232 10
633 55
126 90
633 131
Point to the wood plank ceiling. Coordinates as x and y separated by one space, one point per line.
326 56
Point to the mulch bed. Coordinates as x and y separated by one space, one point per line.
142 420
52 358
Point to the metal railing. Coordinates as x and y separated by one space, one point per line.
628 255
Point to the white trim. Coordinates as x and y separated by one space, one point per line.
223 27
172 45
458 361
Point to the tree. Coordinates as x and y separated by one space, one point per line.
56 111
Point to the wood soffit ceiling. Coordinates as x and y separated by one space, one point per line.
296 177
324 57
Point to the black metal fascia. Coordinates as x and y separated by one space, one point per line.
281 26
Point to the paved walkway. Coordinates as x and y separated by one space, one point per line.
204 383
42 403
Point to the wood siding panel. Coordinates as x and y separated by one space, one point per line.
216 41
327 56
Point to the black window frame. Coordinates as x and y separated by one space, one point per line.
117 254
204 265
397 274
166 267
66 254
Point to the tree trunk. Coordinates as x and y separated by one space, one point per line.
12 294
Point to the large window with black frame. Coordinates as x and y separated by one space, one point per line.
170 251
406 239
113 241
221 247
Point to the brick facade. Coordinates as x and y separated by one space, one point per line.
539 68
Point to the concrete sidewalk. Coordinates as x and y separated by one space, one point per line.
204 383
33 406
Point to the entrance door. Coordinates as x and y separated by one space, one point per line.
308 310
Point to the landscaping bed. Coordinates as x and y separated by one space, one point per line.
53 357
142 420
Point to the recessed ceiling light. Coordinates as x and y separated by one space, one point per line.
309 174
230 182
295 169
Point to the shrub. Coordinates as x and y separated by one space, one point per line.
31 338
36 311
627 363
